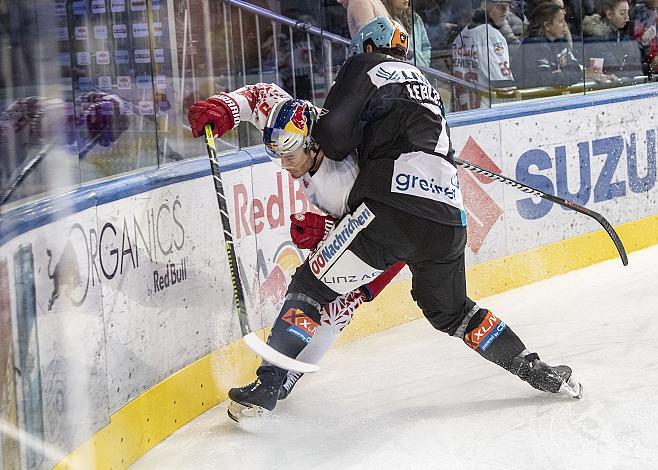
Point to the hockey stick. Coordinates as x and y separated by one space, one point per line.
27 169
557 200
265 351
238 291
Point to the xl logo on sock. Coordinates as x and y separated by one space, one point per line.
300 324
485 333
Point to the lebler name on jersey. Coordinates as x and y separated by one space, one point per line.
418 87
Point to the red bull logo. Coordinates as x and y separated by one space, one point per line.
66 275
286 259
298 119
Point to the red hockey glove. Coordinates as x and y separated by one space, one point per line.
216 110
309 229
374 287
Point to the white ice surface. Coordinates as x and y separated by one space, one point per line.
412 398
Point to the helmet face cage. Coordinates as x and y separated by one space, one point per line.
380 32
288 128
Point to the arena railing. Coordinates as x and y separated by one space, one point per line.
320 85
330 40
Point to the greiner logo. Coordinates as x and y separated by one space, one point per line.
405 182
339 239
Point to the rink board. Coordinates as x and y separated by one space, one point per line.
136 268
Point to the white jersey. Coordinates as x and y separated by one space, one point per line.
479 54
329 187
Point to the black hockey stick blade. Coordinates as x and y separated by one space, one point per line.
238 291
557 200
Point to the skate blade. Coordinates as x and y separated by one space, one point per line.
237 411
572 388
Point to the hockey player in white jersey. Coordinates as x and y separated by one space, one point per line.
480 55
326 184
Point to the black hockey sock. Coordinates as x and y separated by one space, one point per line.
492 339
295 325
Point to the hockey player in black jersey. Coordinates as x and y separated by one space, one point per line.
406 205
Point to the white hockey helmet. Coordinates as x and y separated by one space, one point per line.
288 127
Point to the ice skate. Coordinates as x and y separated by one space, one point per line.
572 388
254 399
286 387
552 379
237 411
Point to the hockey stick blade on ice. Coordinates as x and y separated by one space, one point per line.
258 346
273 356
557 200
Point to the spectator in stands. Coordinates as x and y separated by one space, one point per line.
420 48
517 17
589 7
567 31
481 56
569 13
645 19
545 58
359 12
574 11
444 20
499 12
607 38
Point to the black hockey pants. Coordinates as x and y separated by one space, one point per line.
433 252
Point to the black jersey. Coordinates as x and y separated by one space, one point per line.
388 111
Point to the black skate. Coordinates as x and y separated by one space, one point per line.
291 380
546 378
254 399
